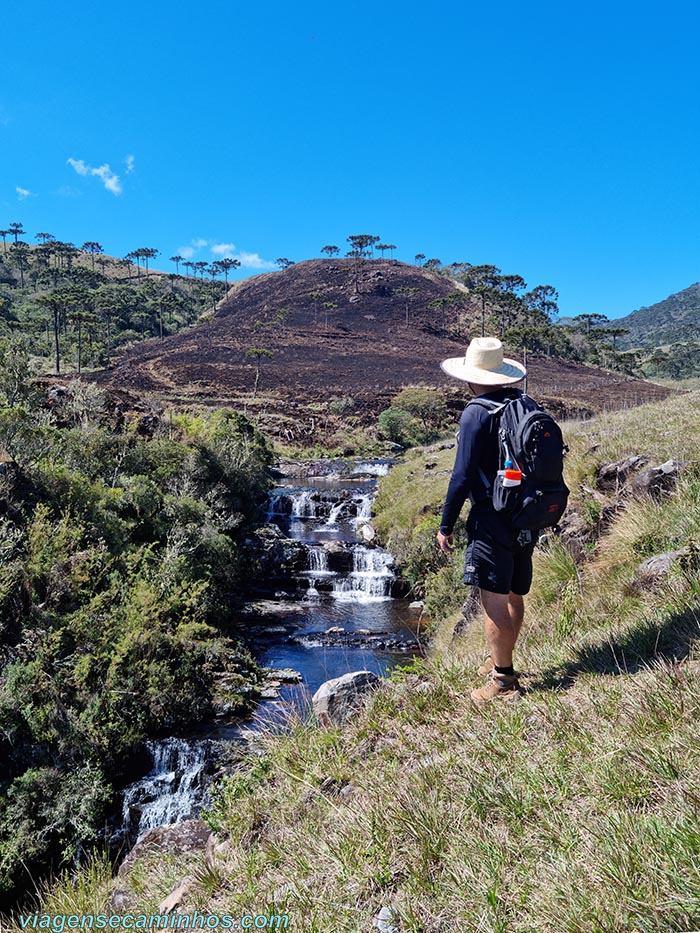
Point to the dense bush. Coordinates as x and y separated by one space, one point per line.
121 562
416 416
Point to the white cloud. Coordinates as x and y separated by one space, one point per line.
129 161
187 252
223 249
253 261
247 260
22 193
108 178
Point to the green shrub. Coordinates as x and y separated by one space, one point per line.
398 426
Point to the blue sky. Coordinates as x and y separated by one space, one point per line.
554 140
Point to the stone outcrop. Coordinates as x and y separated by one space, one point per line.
188 836
337 701
611 477
655 570
657 481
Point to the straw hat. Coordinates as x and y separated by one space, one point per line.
483 364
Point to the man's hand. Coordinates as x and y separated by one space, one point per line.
446 542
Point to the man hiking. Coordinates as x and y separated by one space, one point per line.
499 557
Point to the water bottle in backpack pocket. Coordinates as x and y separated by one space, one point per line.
506 490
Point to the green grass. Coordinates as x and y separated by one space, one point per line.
574 811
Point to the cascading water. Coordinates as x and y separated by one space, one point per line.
364 510
336 614
318 560
176 787
371 577
303 505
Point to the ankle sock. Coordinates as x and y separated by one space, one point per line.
506 671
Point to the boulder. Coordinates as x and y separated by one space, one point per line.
575 535
337 701
657 481
435 448
367 533
612 476
654 570
121 900
340 559
286 675
188 836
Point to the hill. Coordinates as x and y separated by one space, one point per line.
673 320
574 810
329 329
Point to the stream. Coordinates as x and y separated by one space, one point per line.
337 609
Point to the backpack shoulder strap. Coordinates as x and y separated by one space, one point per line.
494 407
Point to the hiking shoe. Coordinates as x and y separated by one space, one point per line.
499 687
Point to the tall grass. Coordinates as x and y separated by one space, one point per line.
575 810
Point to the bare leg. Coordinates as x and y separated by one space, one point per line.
501 626
516 609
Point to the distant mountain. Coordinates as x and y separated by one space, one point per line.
675 319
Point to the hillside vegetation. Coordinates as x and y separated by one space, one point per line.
121 563
668 331
575 810
320 339
665 322
75 308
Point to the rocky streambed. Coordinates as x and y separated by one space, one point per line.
326 601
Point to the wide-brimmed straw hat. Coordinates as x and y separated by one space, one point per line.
484 364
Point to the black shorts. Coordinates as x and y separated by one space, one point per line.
498 557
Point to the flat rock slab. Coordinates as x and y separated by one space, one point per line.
188 836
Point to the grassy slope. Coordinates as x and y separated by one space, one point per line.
575 810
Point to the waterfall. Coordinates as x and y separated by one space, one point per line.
364 509
303 505
318 560
371 576
334 513
335 613
280 506
175 789
371 469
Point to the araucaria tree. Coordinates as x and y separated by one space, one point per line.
228 265
93 248
362 244
258 354
16 230
330 251
408 295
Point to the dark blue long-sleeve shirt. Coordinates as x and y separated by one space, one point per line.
477 449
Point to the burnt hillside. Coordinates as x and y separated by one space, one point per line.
338 329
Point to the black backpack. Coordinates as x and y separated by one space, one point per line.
532 439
